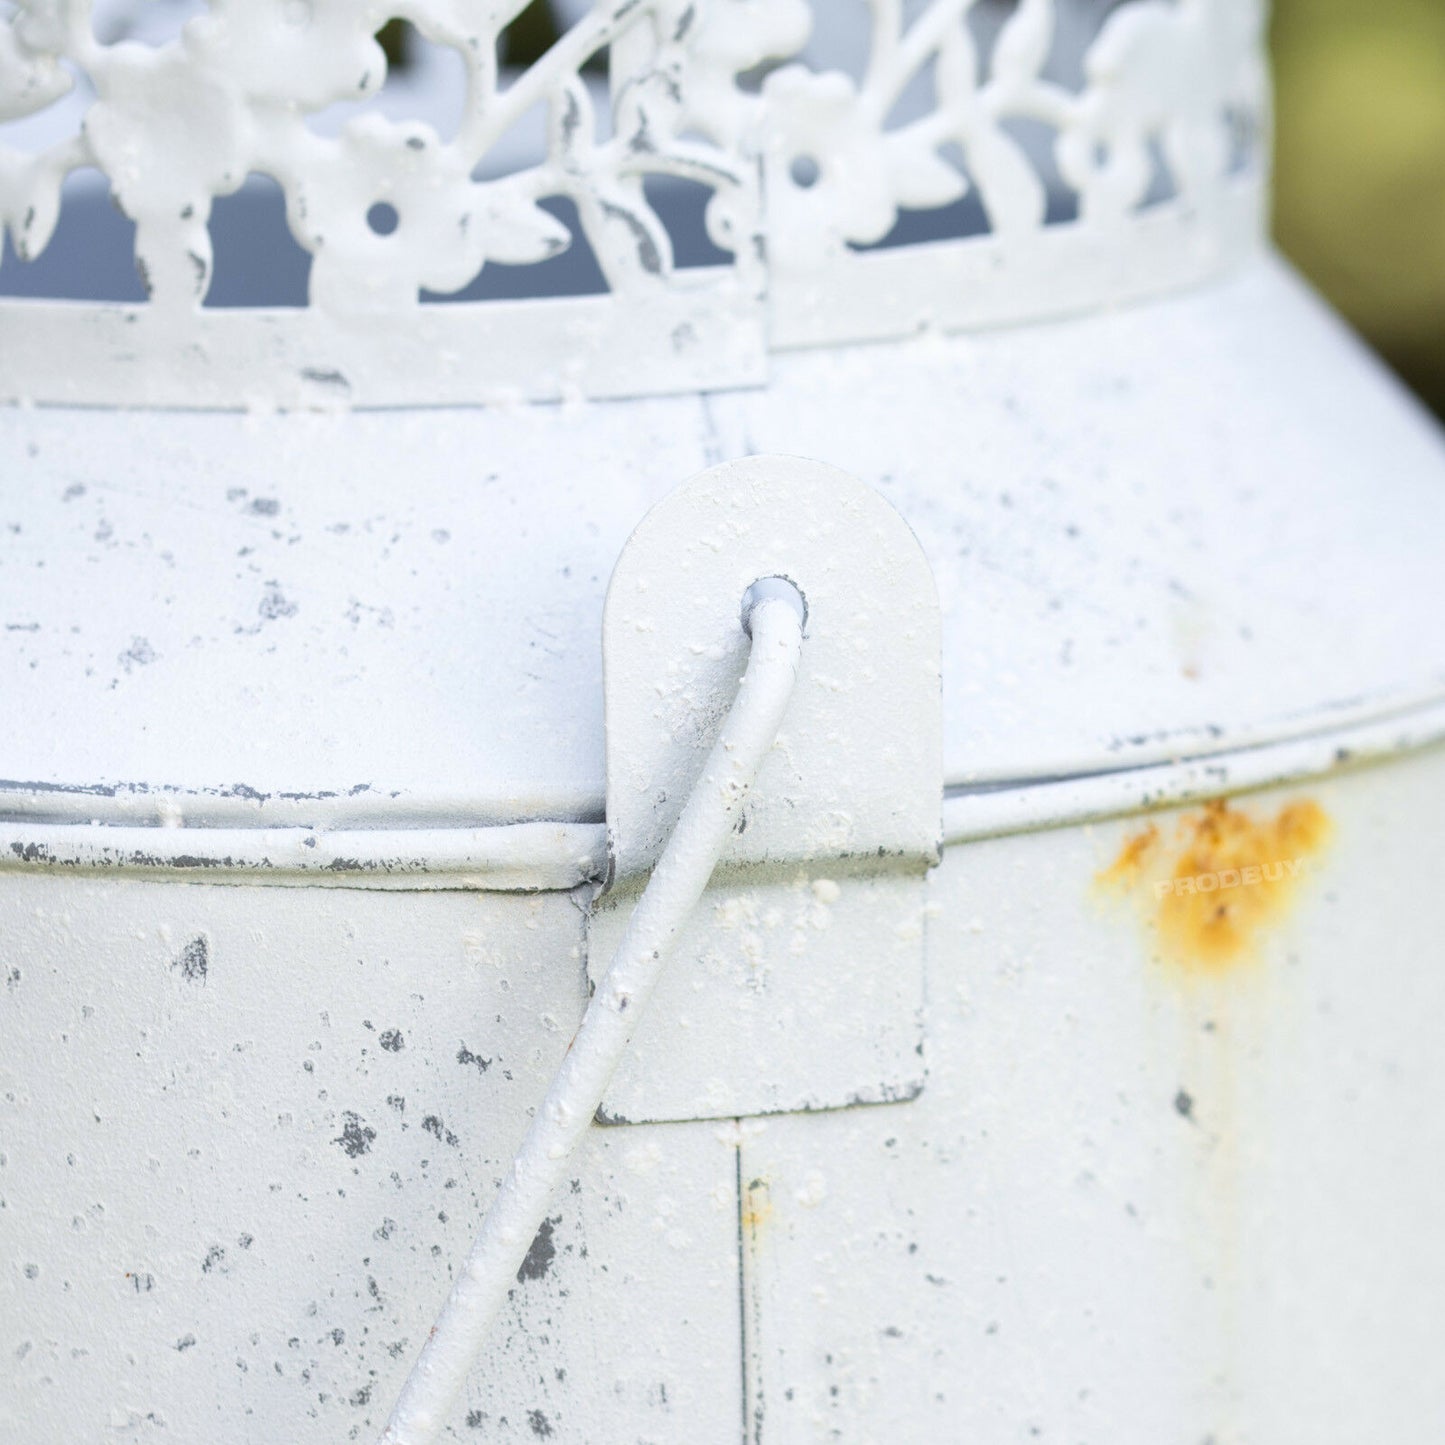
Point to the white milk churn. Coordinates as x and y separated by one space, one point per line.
729 731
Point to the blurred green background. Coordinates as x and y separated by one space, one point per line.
1360 169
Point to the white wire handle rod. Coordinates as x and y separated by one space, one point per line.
773 615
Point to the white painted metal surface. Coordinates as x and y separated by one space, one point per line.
235 1195
1151 1151
1136 562
1160 145
1139 1200
800 984
773 623
846 784
1280 1260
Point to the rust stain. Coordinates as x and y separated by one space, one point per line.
1127 867
757 1206
1221 880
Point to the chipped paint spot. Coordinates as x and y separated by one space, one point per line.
275 604
194 960
356 1135
541 1254
139 654
435 1127
1221 880
466 1056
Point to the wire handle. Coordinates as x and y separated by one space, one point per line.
773 618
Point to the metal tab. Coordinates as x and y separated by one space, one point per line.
799 980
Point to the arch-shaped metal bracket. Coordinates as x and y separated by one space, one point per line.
799 981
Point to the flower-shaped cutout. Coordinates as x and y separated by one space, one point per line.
388 210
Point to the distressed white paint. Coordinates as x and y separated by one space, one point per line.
843 782
522 857
1280 1261
1136 562
696 337
154 1117
799 991
801 169
800 984
563 1117
527 857
1181 549
1045 1246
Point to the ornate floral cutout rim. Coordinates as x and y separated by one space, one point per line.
803 171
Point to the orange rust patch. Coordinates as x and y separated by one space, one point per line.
1223 878
1132 860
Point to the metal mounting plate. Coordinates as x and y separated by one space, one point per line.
858 768
798 983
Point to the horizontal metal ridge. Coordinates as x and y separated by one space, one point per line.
560 855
